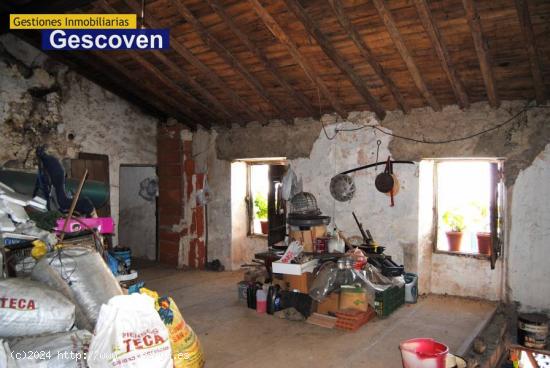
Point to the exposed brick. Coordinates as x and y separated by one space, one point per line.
169 259
201 249
169 183
165 220
193 227
170 170
169 236
189 166
174 210
169 157
192 253
188 147
190 187
167 144
199 220
200 181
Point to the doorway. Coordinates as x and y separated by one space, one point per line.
137 228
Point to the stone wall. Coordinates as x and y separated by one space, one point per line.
316 158
43 102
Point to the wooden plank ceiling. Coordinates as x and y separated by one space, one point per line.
236 61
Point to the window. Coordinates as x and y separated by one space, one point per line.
266 209
467 208
258 191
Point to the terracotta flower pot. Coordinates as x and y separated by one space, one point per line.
484 243
265 227
454 238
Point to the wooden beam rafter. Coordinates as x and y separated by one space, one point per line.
531 46
151 68
298 57
211 41
438 43
399 43
329 49
482 51
367 54
151 89
182 51
268 64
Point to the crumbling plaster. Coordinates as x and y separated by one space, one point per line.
43 102
316 159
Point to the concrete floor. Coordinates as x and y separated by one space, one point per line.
235 336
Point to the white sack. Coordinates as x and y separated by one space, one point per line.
60 350
130 333
90 281
32 308
6 360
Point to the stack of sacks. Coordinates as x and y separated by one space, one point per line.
36 322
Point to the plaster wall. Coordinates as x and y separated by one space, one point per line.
43 102
401 228
529 248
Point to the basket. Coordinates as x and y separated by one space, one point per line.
387 301
304 204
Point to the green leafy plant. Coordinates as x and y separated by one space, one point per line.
454 221
260 205
479 215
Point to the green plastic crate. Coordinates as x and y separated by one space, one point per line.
387 301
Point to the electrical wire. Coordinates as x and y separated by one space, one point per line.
428 141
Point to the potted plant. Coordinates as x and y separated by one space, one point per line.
481 220
260 204
455 223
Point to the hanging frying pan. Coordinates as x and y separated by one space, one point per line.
384 182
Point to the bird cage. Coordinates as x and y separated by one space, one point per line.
304 204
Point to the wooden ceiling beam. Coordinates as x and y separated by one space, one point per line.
151 89
114 82
229 58
428 22
399 43
329 49
169 83
298 57
181 50
367 54
482 51
196 86
531 46
107 8
268 64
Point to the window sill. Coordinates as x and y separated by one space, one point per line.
258 236
466 255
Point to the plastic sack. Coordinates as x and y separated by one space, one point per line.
48 275
330 278
186 348
89 280
6 360
293 250
31 308
60 350
130 333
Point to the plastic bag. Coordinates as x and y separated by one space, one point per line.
293 250
130 333
186 348
6 360
31 308
60 350
90 281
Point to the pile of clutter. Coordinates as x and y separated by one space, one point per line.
61 304
325 278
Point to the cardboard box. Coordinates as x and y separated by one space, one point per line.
307 237
330 304
299 282
352 297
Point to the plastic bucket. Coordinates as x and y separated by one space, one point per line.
423 353
411 287
123 255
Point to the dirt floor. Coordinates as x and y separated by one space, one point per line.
235 336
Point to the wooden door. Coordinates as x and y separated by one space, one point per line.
98 169
276 208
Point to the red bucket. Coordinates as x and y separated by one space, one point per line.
423 353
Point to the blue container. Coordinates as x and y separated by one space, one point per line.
119 260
